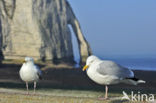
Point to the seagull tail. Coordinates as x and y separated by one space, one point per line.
135 81
39 75
141 81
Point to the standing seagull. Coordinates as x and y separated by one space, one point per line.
105 72
29 72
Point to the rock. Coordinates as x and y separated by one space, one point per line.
40 29
1 55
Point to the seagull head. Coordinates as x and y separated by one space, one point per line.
28 59
89 61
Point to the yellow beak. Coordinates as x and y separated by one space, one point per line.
85 67
24 61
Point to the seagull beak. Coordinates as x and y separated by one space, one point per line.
24 61
85 67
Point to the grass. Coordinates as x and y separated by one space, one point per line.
54 96
15 95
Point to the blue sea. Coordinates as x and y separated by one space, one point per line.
148 64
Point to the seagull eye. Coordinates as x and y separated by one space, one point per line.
91 61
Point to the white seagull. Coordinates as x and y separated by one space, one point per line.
29 72
105 72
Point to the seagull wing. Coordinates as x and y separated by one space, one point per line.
112 68
39 72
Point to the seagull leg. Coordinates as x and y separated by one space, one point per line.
34 86
27 87
106 92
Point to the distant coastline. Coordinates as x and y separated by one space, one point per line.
146 64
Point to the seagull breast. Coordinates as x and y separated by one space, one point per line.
29 72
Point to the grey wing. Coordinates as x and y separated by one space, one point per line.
111 68
39 72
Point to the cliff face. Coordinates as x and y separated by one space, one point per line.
0 42
39 28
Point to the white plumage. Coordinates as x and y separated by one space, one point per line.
29 72
106 72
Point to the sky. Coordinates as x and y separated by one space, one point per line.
118 28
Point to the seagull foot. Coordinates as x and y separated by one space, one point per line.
34 93
103 98
27 93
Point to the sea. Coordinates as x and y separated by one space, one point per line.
146 64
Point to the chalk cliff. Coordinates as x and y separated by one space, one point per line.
40 29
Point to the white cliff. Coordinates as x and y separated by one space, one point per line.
39 28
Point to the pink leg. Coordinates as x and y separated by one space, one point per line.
27 87
106 94
34 87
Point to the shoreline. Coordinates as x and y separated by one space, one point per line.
69 78
62 84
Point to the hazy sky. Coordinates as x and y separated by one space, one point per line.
118 27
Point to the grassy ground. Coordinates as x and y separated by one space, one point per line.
56 96
61 85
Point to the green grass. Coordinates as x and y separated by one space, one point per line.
57 96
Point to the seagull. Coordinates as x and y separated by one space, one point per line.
106 72
30 72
